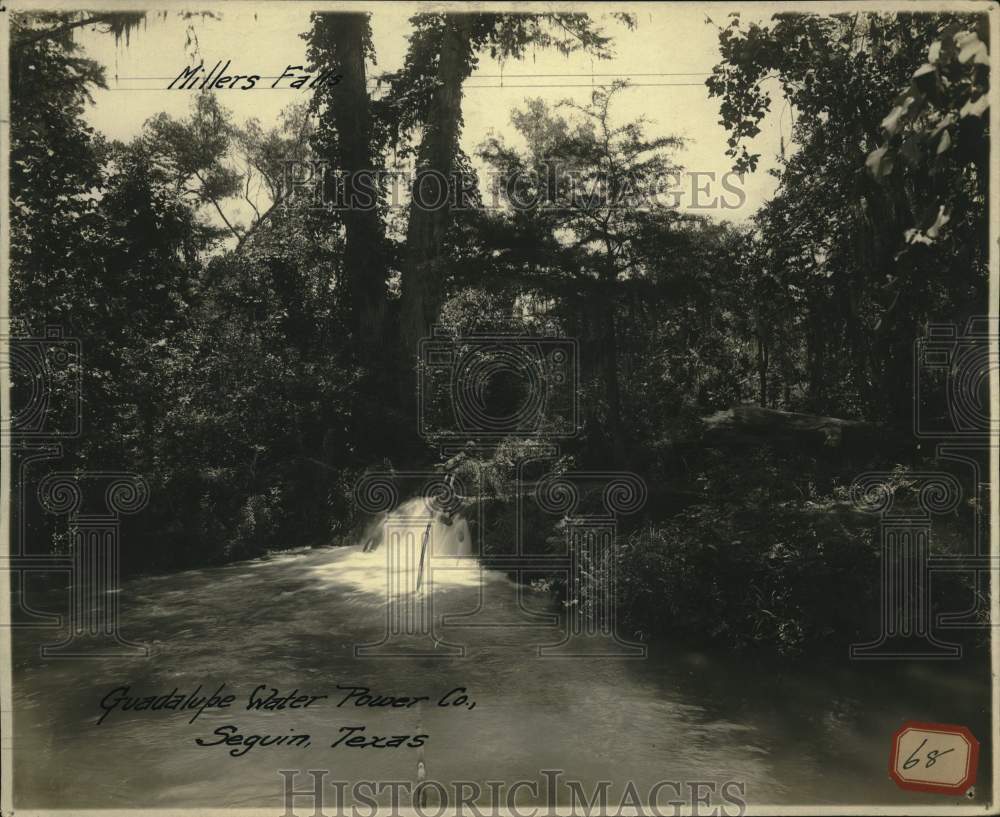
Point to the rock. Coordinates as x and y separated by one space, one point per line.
753 426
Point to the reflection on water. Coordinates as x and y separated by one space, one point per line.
802 735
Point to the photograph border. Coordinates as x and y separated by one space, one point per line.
935 805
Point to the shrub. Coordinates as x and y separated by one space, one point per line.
778 575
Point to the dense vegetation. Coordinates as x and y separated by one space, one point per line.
251 367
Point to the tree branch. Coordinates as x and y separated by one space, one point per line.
256 225
54 32
218 209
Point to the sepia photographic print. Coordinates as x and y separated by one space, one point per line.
498 408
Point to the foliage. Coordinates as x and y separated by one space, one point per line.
224 382
251 355
503 36
212 161
837 250
938 127
751 578
582 235
256 431
778 566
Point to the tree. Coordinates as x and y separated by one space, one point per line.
31 29
419 116
218 165
103 247
593 208
427 94
839 75
353 140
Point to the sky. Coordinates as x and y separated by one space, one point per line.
667 58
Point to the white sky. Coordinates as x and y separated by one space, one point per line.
264 38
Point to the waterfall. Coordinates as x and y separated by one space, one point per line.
449 536
419 537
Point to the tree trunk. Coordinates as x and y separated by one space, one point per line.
816 346
422 264
762 365
609 354
364 254
612 386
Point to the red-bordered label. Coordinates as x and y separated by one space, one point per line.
934 757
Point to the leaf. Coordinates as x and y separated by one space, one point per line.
975 108
948 41
891 121
879 162
983 28
976 52
945 122
969 46
942 219
945 142
964 38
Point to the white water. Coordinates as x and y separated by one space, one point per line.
449 535
446 558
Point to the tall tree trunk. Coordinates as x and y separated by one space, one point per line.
364 255
816 348
609 354
341 42
762 366
612 386
421 293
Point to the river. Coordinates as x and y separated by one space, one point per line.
791 734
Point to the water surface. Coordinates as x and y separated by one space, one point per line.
791 735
